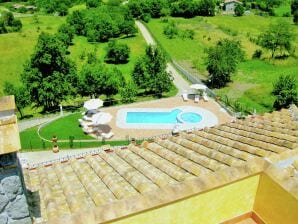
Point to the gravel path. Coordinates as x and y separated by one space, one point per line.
179 82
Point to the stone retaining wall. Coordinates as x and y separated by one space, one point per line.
13 203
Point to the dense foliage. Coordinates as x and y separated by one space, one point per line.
117 53
150 72
8 23
60 7
20 93
294 11
102 23
285 91
97 79
49 76
277 37
146 9
222 61
239 10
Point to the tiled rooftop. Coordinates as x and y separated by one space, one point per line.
101 179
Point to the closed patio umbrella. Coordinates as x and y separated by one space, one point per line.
198 86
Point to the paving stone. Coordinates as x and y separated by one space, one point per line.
18 208
12 186
3 202
3 219
20 221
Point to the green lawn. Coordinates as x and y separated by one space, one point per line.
64 127
252 84
30 141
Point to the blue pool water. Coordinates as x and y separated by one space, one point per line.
162 117
190 117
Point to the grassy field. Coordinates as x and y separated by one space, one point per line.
252 84
81 46
16 48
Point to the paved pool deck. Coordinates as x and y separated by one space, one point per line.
168 103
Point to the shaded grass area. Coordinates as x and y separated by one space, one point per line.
252 84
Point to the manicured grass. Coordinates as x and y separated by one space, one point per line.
30 141
252 85
64 127
16 48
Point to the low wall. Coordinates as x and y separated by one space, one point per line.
210 207
274 204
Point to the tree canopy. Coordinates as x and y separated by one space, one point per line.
102 23
285 91
97 79
49 76
8 23
21 94
117 53
150 72
277 37
222 61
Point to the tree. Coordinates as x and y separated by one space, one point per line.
91 79
2 27
77 21
239 10
117 53
96 79
66 34
49 76
170 30
294 6
22 97
150 72
222 61
7 18
93 3
277 37
295 18
285 90
207 8
128 92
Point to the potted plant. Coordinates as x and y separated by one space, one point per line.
55 148
54 139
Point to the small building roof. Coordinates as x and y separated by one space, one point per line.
231 1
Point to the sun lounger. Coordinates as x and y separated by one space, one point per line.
185 96
197 98
205 97
107 135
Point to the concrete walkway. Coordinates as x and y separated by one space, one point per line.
26 124
45 156
178 81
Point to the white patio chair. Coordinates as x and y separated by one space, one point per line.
205 97
197 98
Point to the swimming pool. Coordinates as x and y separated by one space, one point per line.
170 117
185 117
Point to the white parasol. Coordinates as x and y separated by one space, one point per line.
101 118
93 104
